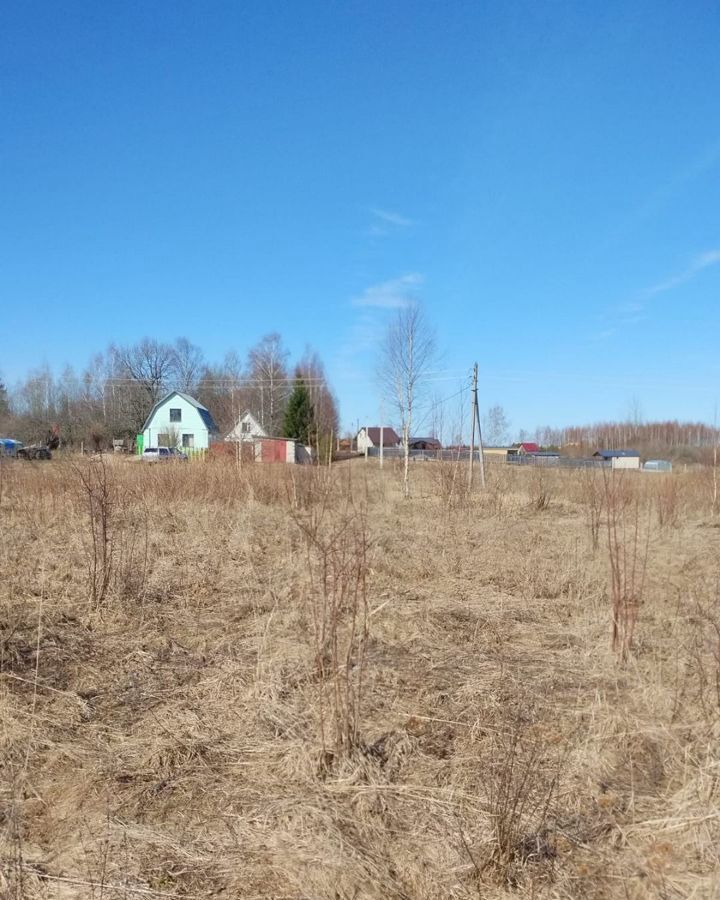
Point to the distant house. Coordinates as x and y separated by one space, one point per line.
179 420
247 428
425 443
619 459
370 437
524 448
495 451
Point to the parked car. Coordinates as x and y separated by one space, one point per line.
163 454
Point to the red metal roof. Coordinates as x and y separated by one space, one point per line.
530 447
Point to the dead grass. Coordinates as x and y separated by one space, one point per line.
299 685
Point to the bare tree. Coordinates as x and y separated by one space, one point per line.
188 364
325 414
148 367
406 355
4 403
267 369
149 363
496 426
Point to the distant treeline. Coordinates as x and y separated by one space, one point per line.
112 396
680 440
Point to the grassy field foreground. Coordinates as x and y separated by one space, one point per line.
287 682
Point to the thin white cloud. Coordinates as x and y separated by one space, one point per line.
392 218
701 262
631 308
393 294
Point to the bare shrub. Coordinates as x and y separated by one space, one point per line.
99 496
667 501
593 501
628 554
452 487
704 649
116 542
523 783
539 490
336 553
132 549
498 495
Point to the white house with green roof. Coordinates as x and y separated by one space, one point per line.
179 420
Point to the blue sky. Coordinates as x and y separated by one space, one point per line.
545 177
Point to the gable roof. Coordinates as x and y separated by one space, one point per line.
609 454
432 443
257 428
390 436
204 412
526 447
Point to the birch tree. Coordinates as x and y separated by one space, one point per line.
267 369
406 355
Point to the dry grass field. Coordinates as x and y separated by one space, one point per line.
292 683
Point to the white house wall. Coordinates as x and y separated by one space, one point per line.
626 462
363 441
191 422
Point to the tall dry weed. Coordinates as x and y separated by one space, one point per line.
116 542
628 554
667 500
451 483
592 494
539 489
704 648
336 557
523 783
98 494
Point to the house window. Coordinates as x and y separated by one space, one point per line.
176 415
163 440
245 428
188 440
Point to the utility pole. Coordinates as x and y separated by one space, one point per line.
382 433
472 432
476 419
480 441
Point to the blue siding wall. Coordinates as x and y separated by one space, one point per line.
191 423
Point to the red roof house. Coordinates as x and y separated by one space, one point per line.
526 447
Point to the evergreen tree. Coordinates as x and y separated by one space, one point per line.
4 403
299 414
